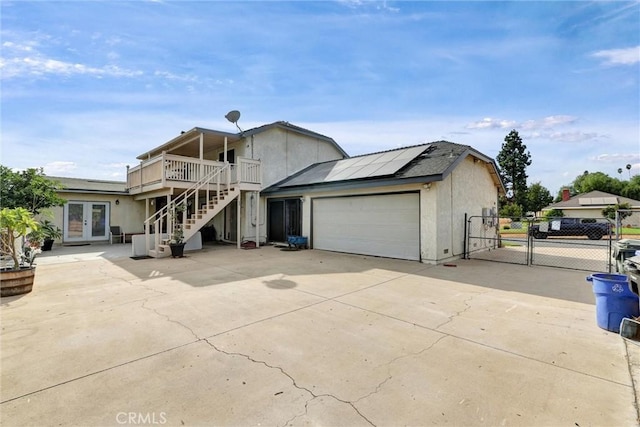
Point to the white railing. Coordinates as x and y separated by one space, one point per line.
250 171
219 178
169 168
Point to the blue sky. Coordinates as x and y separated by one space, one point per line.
89 85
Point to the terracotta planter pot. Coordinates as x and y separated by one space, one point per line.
16 282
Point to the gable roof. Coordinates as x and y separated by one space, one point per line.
217 135
293 128
418 163
592 200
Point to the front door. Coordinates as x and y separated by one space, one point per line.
86 221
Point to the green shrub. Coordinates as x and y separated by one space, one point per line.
553 213
511 210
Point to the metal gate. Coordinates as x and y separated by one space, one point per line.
524 241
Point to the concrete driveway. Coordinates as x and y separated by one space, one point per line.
270 337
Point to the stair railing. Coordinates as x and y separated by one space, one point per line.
220 176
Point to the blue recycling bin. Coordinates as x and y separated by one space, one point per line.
614 300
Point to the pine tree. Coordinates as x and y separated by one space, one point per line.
513 160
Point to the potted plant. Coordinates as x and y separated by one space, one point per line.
15 225
177 237
50 232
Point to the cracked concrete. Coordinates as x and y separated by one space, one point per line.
264 337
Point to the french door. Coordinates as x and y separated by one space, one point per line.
86 221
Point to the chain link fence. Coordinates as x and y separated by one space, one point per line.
485 241
572 243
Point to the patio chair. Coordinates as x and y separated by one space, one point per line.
116 233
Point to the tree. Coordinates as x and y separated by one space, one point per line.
510 210
603 182
538 197
597 181
610 211
29 189
632 188
513 160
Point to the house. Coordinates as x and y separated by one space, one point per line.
591 204
204 171
92 207
278 180
408 203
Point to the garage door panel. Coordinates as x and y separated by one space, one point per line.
382 225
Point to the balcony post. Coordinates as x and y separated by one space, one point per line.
238 238
257 219
164 169
201 171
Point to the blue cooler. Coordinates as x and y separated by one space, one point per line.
614 300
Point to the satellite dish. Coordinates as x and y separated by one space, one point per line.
233 116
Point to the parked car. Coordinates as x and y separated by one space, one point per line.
588 227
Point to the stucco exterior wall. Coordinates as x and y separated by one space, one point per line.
583 213
477 191
282 153
128 214
467 190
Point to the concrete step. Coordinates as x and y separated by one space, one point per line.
162 251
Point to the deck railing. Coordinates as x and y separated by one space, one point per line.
168 170
173 216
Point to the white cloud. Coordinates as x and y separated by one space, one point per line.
548 122
617 158
54 168
489 123
8 45
628 56
38 66
574 136
544 128
544 123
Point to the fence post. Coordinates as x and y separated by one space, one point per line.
466 237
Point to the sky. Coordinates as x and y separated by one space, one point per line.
87 86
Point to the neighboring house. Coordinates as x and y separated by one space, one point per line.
408 203
591 204
277 180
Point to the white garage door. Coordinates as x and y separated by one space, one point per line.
382 225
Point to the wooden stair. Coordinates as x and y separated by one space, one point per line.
215 205
171 217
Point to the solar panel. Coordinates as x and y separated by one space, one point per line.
372 165
591 201
382 164
391 167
